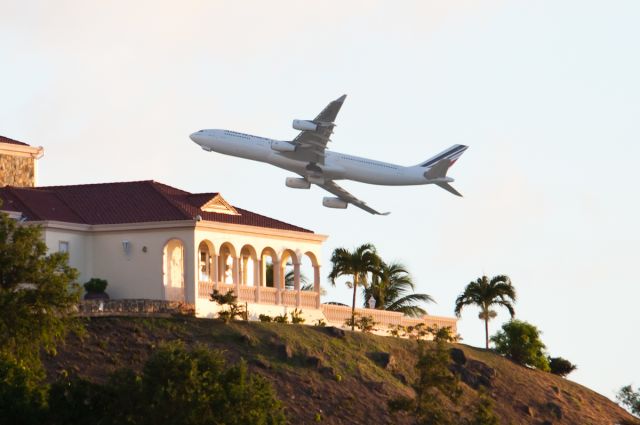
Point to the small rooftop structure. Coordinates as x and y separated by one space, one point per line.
18 164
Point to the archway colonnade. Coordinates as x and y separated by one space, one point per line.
262 276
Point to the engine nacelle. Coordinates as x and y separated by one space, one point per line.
334 203
280 146
304 125
297 183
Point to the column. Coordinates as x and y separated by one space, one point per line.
276 282
296 282
214 270
235 274
316 284
257 275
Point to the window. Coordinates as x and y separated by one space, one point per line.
63 246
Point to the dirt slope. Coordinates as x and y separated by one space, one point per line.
332 377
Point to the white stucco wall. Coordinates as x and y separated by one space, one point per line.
98 251
139 274
80 249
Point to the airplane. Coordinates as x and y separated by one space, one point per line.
307 156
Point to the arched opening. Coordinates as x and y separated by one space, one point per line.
268 259
249 270
173 270
206 266
206 269
226 264
309 272
288 267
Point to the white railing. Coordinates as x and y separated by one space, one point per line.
309 299
338 314
268 295
289 298
205 288
247 293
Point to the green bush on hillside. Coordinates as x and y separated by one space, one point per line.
176 387
520 342
22 395
560 366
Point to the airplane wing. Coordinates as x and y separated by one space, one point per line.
312 144
331 187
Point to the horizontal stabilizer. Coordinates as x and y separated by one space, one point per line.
448 188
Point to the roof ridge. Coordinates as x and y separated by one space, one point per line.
153 184
10 141
94 184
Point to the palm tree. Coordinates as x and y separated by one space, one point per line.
485 293
289 278
357 264
392 289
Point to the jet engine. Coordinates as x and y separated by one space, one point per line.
280 146
304 125
297 183
334 203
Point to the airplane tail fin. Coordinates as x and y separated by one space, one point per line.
452 153
438 166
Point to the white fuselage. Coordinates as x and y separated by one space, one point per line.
337 166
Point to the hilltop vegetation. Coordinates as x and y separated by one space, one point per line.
324 375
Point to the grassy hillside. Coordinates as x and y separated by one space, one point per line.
331 377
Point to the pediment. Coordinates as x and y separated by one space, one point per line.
217 204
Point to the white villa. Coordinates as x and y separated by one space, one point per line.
153 241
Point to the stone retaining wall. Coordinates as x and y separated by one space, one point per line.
134 307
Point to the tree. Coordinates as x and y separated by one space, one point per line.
629 399
176 387
391 287
38 294
520 342
560 366
358 264
483 412
230 300
22 395
486 293
434 382
289 278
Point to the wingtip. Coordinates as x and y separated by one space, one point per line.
341 98
385 213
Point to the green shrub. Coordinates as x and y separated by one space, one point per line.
95 285
629 399
230 301
177 386
74 400
560 366
321 323
520 342
483 413
363 323
265 318
435 382
22 393
283 318
296 316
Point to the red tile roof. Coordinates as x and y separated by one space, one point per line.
11 141
126 202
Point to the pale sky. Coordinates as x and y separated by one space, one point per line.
545 93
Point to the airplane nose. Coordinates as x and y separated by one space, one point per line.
194 137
